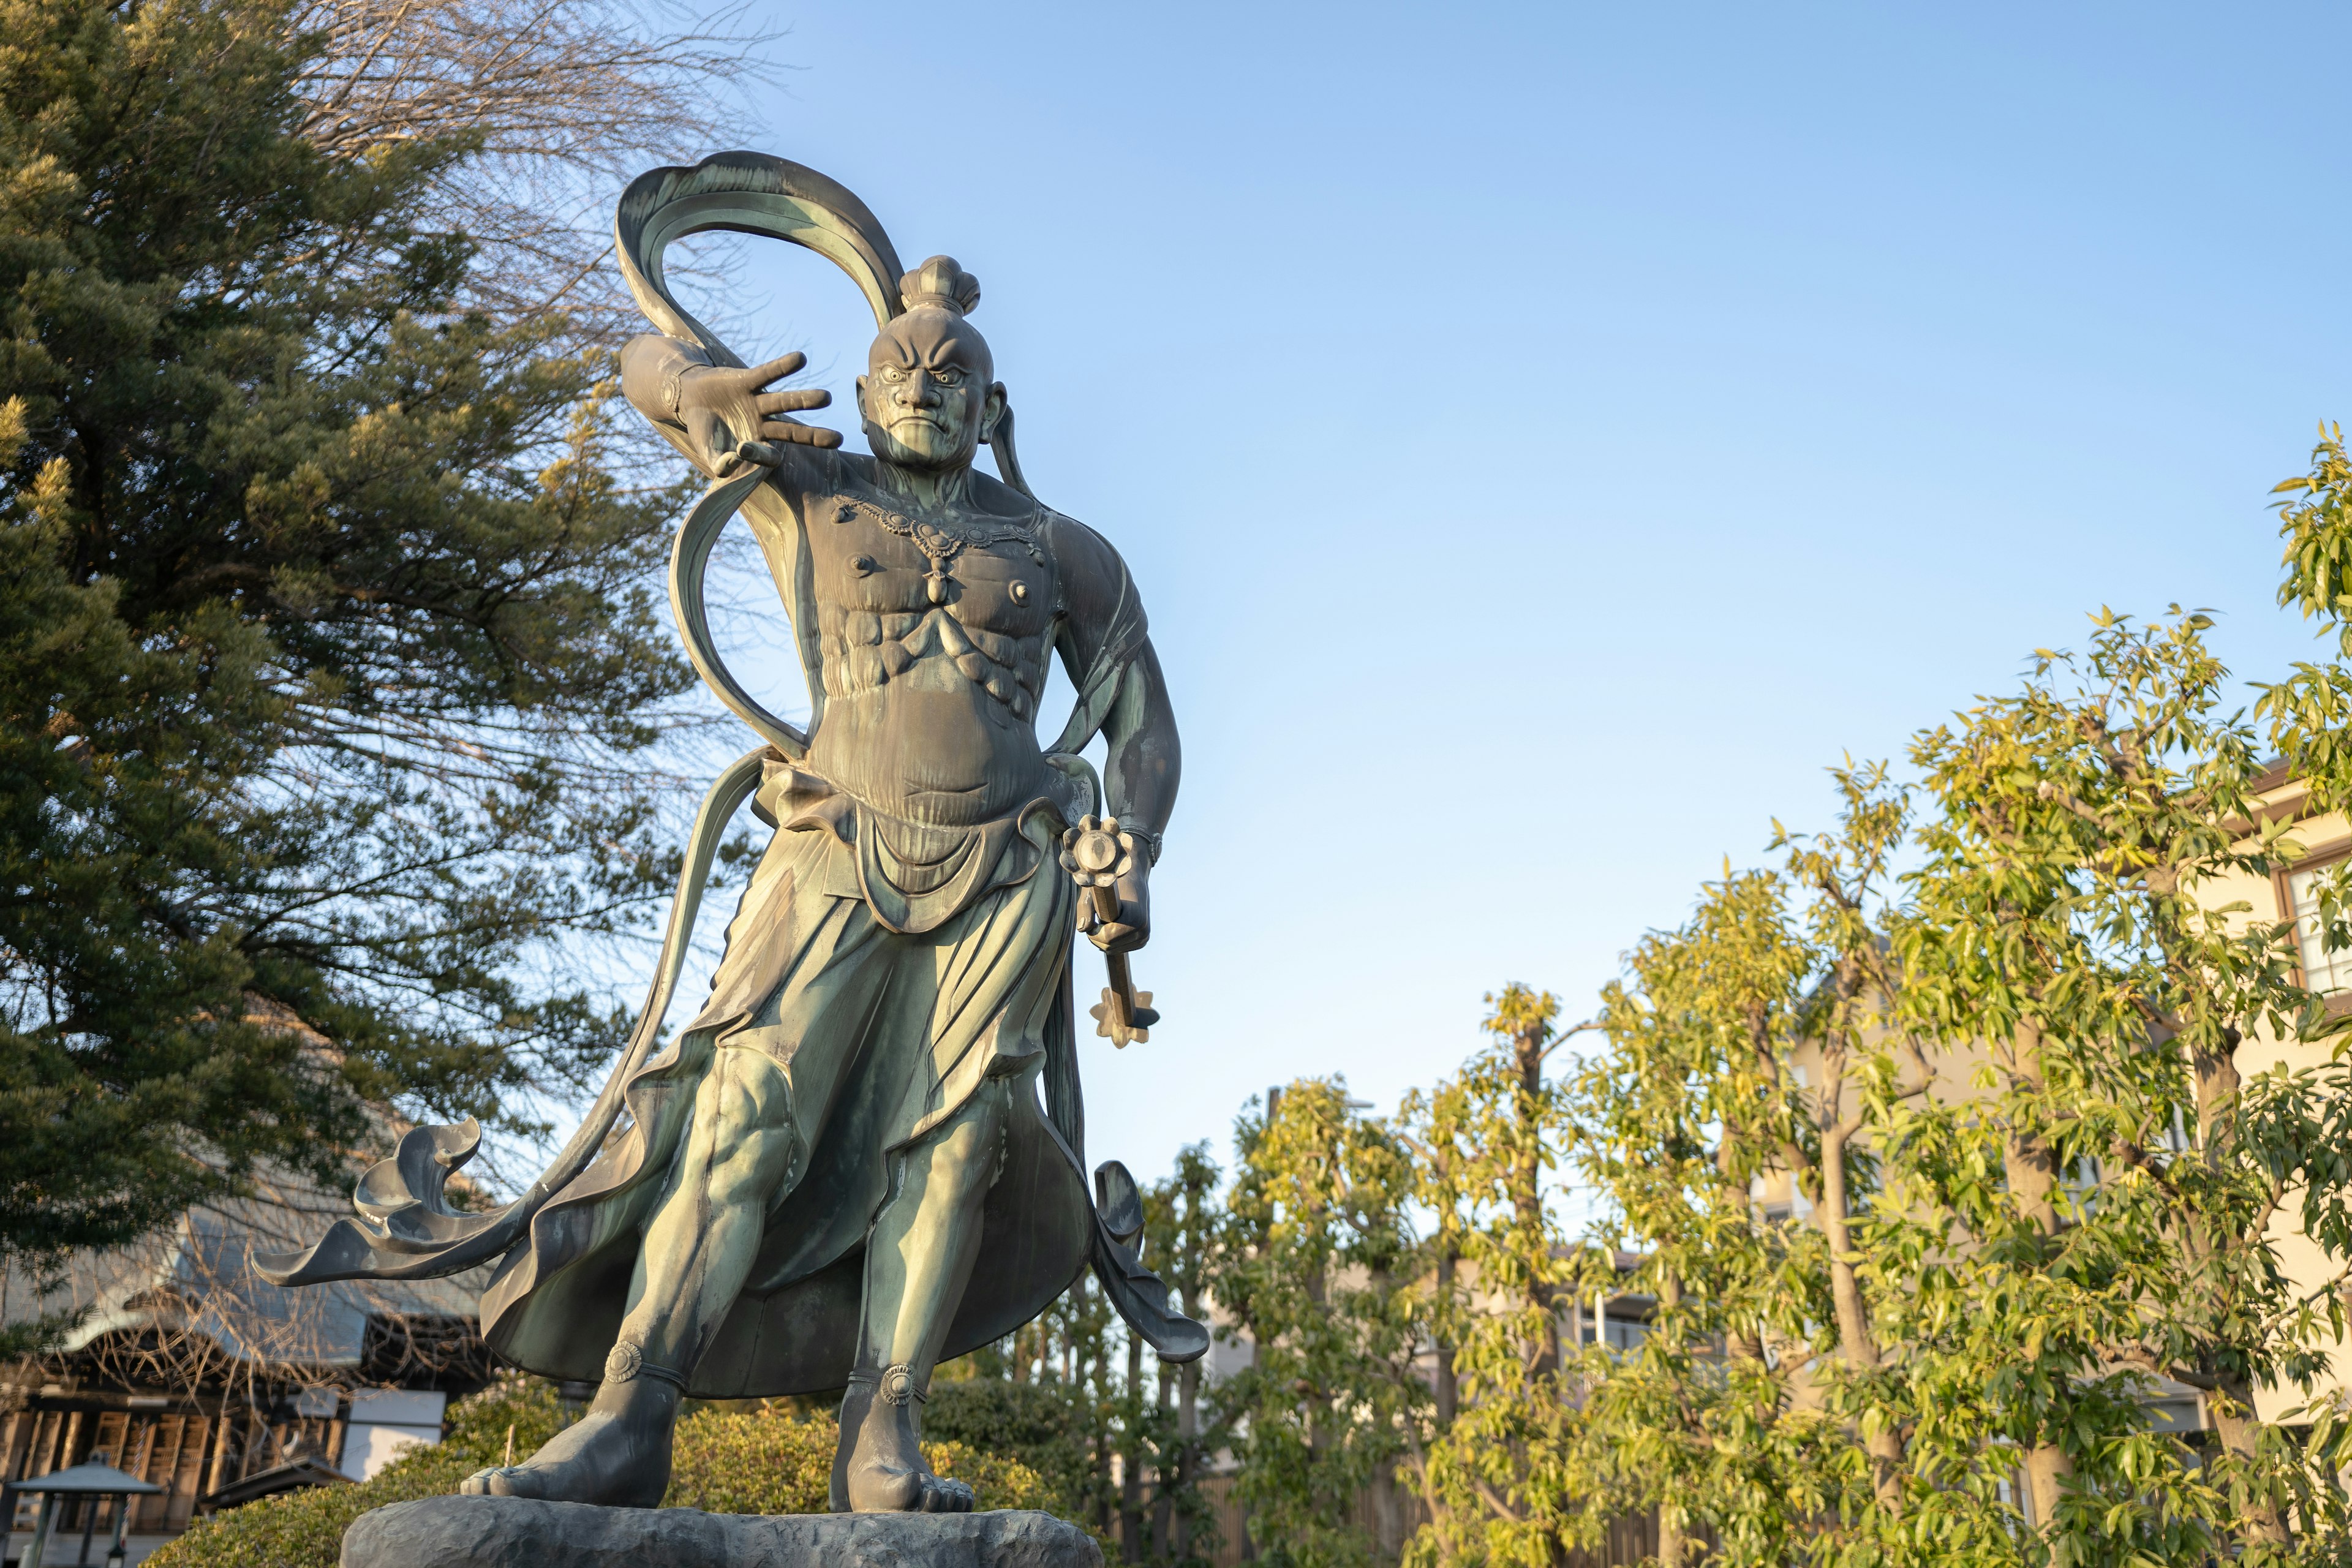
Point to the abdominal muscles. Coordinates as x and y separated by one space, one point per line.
927 749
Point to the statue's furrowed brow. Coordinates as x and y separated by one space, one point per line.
952 350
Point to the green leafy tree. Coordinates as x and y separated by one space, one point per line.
1675 1124
1314 1263
1495 1473
329 648
1120 1448
1179 1227
2075 918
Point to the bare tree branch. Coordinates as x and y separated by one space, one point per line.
562 100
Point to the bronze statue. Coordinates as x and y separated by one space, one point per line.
840 1172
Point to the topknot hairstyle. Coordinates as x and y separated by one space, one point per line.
943 284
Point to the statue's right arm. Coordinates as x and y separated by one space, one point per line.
716 414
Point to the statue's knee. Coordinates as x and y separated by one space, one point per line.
970 1138
746 1109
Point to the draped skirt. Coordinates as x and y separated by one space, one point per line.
882 1033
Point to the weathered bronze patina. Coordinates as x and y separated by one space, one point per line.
843 1170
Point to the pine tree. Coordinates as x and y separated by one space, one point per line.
330 649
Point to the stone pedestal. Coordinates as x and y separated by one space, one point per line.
518 1532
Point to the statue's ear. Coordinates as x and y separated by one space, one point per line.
996 429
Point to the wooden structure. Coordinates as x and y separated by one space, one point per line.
188 1372
190 1448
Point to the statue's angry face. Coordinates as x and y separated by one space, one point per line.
928 397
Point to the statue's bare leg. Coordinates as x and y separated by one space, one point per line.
917 1263
697 1251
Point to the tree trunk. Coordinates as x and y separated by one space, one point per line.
2046 1469
1188 1376
1388 1515
1319 1404
2031 1168
1102 1480
1671 1544
1861 1346
1131 1458
1167 1473
1188 1450
1526 1183
1448 1385
2232 1410
2230 1406
1741 1342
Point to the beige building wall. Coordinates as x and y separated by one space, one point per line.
2326 841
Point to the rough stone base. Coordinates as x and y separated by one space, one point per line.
520 1532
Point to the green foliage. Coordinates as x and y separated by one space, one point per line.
727 1461
1040 1426
1693 1102
1495 1471
2122 1179
2039 1176
305 1529
2033 1169
2310 713
775 1460
1167 1440
324 617
111 749
1116 1438
1315 1260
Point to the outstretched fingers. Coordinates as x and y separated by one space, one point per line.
790 402
793 400
793 431
776 369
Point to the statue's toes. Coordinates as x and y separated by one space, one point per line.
499 1481
942 1494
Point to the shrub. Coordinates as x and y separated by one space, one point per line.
772 1461
761 1460
305 1529
1038 1425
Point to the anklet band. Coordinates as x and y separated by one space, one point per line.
894 1384
628 1362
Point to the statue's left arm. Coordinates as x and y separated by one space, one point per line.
1107 649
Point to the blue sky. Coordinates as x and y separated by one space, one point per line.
1546 437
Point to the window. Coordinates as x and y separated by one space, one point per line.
2322 969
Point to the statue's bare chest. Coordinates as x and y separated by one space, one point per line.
990 573
896 589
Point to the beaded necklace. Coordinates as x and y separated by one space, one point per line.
942 542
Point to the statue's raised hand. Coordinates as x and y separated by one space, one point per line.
732 417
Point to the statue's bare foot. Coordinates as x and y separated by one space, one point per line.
616 1453
879 1466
